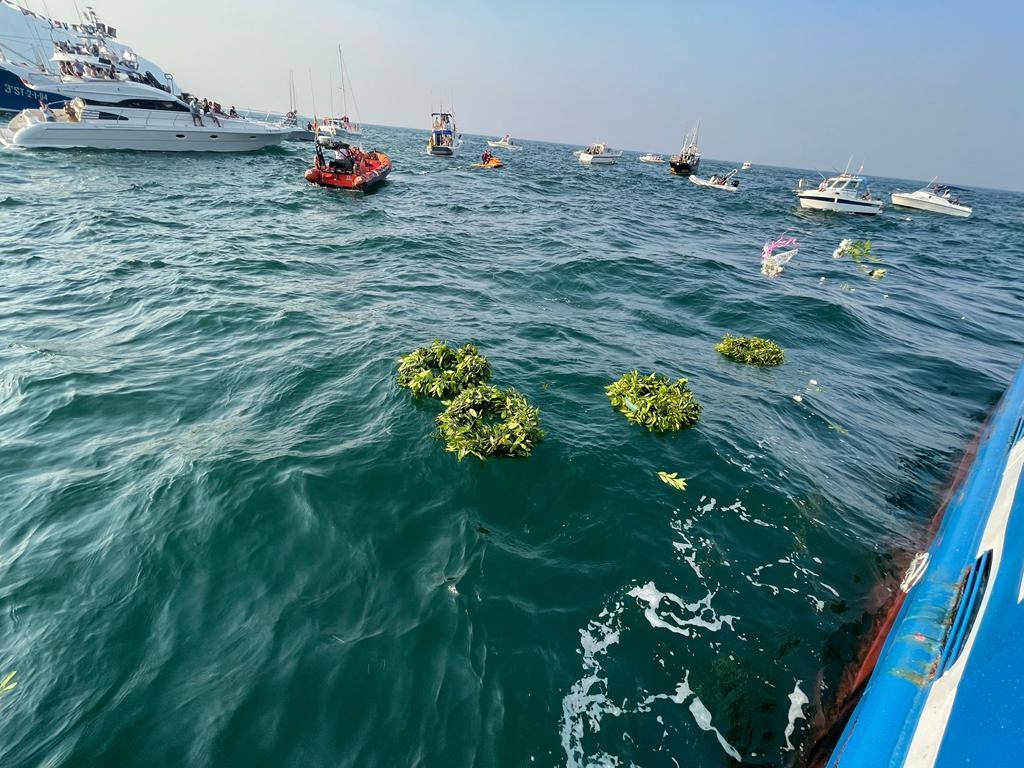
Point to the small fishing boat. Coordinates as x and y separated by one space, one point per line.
728 182
505 142
444 140
841 194
936 198
688 159
350 169
599 154
938 682
746 166
651 158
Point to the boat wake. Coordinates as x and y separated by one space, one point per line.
610 717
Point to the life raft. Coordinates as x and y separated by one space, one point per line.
364 171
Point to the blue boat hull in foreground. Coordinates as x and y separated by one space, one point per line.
947 688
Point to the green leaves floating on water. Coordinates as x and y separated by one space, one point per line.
751 350
673 479
440 371
486 421
654 401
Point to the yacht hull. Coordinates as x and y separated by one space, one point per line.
113 136
683 168
588 159
820 201
909 201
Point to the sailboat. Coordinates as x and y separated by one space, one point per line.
688 159
291 119
347 126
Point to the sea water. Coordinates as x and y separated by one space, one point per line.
227 538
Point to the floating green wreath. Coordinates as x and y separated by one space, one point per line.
751 350
440 371
654 401
486 421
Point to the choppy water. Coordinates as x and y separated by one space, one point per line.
227 538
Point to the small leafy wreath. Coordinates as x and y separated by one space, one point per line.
486 421
440 371
751 350
655 401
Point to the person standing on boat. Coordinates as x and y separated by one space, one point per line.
193 107
48 115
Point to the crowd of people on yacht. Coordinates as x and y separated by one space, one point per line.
210 109
105 67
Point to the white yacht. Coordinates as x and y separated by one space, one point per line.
599 154
937 198
120 114
746 166
841 194
445 139
650 157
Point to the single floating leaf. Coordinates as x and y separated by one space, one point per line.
673 479
6 684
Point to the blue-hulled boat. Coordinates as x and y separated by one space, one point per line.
946 689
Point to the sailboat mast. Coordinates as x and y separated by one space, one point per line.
344 96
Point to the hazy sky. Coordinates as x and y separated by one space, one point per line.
912 89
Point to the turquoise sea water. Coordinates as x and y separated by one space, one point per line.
228 539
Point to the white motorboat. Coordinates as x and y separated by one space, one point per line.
505 142
841 194
728 182
650 157
599 154
936 198
746 166
116 114
445 140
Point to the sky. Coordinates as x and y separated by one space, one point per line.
911 89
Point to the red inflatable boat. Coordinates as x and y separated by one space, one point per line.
350 169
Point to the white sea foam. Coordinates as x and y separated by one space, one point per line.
703 614
797 699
